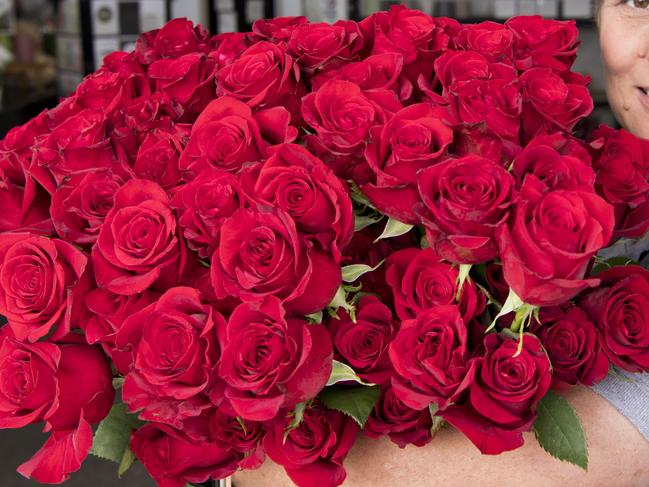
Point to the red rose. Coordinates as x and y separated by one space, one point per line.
412 33
175 39
137 244
241 437
84 396
496 102
502 399
377 72
24 204
295 181
28 388
106 312
37 280
227 47
174 348
78 144
158 156
85 384
548 243
573 347
178 37
262 76
420 281
187 80
415 138
227 135
321 45
107 90
363 342
558 161
404 425
493 40
430 358
453 69
622 168
277 30
342 114
81 203
552 103
124 63
312 453
464 202
544 42
174 460
271 362
260 253
620 310
204 204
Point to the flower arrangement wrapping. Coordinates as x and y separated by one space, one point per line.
271 242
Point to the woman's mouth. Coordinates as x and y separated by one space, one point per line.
644 96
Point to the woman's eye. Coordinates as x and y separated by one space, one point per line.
637 3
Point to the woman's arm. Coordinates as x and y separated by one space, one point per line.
618 456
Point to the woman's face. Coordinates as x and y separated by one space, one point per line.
624 37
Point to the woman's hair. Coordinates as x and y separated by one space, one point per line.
598 7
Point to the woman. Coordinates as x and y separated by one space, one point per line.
613 415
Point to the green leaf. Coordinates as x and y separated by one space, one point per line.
363 221
118 382
340 301
512 303
462 276
619 261
355 402
394 228
438 421
298 416
558 430
343 372
127 461
354 271
315 317
111 440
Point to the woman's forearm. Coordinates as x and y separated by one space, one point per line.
618 456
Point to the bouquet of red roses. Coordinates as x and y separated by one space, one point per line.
268 242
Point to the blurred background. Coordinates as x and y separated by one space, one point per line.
47 46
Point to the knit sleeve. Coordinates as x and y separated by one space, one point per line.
629 393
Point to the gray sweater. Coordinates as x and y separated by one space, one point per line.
629 393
